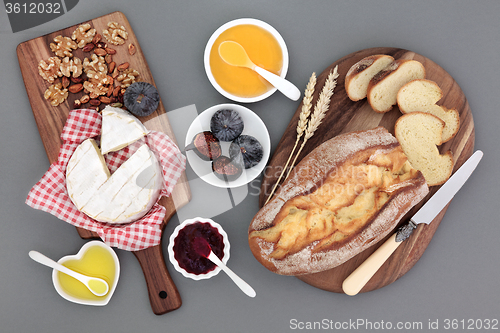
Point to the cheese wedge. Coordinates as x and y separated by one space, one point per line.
119 129
123 197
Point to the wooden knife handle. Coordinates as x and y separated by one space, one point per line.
163 294
361 275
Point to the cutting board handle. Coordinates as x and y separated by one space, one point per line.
163 294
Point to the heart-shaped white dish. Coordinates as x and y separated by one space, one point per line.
94 259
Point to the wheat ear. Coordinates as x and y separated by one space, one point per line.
301 125
319 112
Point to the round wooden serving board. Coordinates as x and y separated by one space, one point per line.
344 116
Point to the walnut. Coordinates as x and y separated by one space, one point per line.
56 94
115 34
83 35
63 47
127 77
97 84
98 64
69 66
49 69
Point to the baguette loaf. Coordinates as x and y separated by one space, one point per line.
342 198
359 75
384 87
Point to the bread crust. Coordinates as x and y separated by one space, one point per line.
310 172
358 69
429 104
384 76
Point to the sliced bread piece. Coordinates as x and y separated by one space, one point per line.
360 74
383 87
422 95
419 134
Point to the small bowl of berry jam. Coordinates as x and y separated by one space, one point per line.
182 253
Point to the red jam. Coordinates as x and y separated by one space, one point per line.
185 252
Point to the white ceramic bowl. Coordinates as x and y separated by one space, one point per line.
174 262
253 126
102 300
231 24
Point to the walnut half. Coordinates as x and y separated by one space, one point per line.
49 69
64 46
56 94
116 34
83 35
98 83
69 66
98 64
127 77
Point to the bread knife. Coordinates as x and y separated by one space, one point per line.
361 275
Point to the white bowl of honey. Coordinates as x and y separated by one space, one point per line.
265 47
94 259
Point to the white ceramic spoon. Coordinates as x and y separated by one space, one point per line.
97 286
235 55
202 247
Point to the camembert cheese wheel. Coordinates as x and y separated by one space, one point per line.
121 197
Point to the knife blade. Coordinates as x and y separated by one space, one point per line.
426 214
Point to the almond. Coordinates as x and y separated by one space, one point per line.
111 66
75 88
85 99
76 79
110 50
131 49
100 52
77 104
105 100
89 47
96 39
116 91
123 66
65 82
95 102
108 58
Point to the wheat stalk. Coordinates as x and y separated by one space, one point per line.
319 112
301 125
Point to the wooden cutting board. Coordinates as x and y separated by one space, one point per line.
50 120
347 116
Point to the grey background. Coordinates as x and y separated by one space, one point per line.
457 277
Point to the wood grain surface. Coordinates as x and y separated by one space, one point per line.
50 121
344 116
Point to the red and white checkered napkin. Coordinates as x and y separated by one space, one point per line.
50 193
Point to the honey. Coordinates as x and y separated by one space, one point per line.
263 50
96 262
